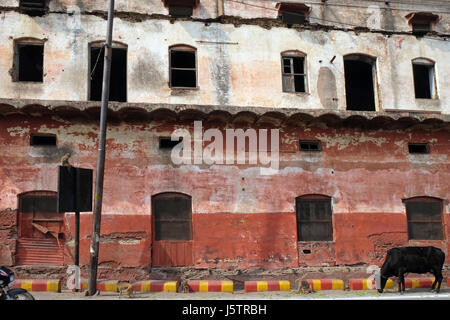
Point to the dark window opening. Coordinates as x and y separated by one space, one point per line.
293 18
423 80
42 140
178 11
173 216
421 148
183 69
293 13
424 219
314 219
33 7
167 143
359 85
294 74
118 82
29 62
310 146
419 28
43 203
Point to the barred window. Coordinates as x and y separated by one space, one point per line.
314 218
172 216
424 216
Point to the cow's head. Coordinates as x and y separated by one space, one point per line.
384 274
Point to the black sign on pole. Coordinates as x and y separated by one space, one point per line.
74 189
75 195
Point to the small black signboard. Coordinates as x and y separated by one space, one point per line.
74 189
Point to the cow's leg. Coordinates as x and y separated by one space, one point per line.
401 281
438 277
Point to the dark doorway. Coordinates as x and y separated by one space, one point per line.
359 86
118 83
40 230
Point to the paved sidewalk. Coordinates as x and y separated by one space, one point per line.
418 293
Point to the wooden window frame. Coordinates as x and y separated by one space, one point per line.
23 42
157 219
291 55
423 200
431 65
314 198
186 48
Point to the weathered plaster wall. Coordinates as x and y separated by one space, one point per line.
230 61
367 174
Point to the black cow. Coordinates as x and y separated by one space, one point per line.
412 259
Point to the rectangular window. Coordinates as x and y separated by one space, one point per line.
43 140
423 80
294 74
419 28
179 11
33 7
29 62
183 68
314 219
424 220
166 143
172 214
293 18
118 82
421 148
310 146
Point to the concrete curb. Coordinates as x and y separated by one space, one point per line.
155 286
101 285
327 284
51 285
210 286
364 284
254 286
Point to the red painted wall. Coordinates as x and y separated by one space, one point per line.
240 219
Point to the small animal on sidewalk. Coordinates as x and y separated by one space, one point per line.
183 287
125 287
304 287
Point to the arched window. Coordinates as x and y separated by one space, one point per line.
314 218
172 216
293 70
424 216
360 79
182 66
424 78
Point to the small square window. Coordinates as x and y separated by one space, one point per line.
310 146
418 148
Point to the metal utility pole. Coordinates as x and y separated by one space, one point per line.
98 194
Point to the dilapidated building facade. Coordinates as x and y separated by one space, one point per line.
359 92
